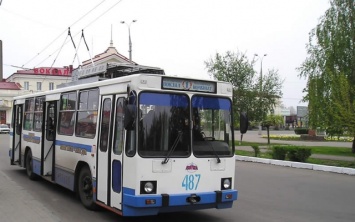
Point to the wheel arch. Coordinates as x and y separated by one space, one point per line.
27 148
79 166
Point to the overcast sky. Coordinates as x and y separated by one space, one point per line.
176 35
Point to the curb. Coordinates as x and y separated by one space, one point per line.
341 170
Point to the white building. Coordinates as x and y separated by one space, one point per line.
29 81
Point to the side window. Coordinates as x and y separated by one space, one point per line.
119 129
29 109
87 113
18 119
131 134
38 113
50 123
105 124
67 113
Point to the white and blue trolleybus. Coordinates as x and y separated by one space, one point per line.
131 139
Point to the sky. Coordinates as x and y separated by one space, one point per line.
175 35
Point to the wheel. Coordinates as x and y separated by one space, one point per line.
85 189
29 166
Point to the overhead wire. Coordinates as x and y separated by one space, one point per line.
111 7
62 34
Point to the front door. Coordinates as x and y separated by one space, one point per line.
110 146
17 133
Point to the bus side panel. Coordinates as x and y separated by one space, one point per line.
71 150
31 140
65 178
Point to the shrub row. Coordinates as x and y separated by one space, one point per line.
300 131
293 153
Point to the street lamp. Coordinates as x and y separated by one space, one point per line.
261 85
129 38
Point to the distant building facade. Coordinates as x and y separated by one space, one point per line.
8 90
30 81
110 55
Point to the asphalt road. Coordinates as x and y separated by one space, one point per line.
266 193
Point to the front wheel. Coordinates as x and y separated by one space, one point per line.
85 189
29 166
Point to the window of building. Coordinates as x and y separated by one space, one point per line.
67 113
51 86
87 113
39 86
27 85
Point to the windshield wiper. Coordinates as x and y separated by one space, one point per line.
214 152
166 160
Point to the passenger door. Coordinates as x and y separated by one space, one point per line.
48 142
109 154
17 134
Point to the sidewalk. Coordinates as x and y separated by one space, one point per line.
18 205
316 156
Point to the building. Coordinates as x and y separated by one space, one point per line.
29 81
108 56
41 79
8 90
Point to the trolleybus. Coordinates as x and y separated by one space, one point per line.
136 141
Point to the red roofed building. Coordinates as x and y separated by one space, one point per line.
7 91
110 55
30 81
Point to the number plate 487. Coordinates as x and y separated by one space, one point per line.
191 181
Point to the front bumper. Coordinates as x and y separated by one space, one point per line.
139 205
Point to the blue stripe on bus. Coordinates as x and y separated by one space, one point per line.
159 99
136 205
211 103
76 145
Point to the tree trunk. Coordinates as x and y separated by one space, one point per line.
353 147
268 135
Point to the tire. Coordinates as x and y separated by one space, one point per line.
29 166
85 189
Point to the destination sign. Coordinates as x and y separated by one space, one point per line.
85 72
188 85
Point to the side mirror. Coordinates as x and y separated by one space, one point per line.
244 123
129 116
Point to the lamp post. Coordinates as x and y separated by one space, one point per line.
129 38
261 87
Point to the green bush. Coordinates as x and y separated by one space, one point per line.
298 154
293 153
256 150
335 131
300 131
279 152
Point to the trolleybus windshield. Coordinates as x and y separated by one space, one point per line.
212 127
164 125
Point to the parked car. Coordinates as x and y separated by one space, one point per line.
4 128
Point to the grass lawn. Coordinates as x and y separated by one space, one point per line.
337 151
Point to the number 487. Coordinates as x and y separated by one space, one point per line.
191 181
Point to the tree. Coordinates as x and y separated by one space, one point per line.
330 69
272 120
247 97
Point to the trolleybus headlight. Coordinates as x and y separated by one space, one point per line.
148 187
226 183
